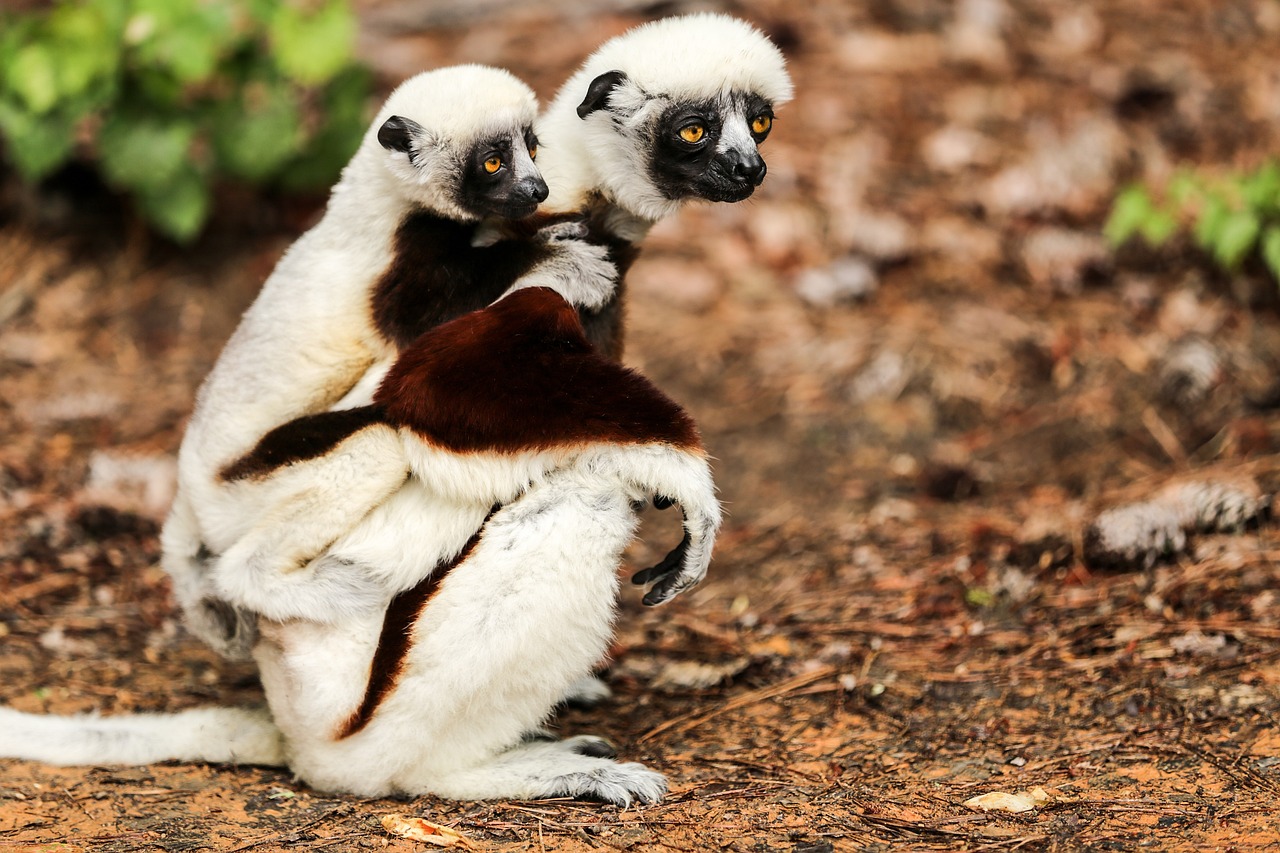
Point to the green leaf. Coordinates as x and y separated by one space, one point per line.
1262 188
180 208
157 91
33 77
1184 188
86 45
1157 228
311 47
1237 236
1269 247
186 40
255 138
1213 216
36 144
144 151
979 597
1132 208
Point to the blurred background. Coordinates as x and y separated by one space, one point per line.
1014 267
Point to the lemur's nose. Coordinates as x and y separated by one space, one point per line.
534 189
746 167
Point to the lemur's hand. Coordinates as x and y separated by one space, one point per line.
664 576
232 631
572 229
578 270
686 564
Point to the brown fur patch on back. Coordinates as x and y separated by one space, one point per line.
302 438
520 375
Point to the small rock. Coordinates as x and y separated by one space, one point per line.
1140 534
846 280
954 148
129 482
884 377
1071 171
1190 370
1058 259
694 675
1137 534
880 236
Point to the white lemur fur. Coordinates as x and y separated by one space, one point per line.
726 73
527 612
311 334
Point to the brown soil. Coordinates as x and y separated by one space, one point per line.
900 615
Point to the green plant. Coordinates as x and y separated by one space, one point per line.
166 98
1231 216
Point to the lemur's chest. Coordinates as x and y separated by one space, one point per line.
436 274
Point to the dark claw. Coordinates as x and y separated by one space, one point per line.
669 564
662 592
662 502
597 748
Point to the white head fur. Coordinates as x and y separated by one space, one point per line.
445 114
692 59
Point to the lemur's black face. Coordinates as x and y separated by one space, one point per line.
500 179
494 177
710 150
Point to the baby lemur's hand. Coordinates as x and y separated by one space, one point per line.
231 630
572 229
579 271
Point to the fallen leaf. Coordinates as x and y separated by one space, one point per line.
698 676
1024 801
417 829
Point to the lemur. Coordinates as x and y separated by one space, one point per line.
450 151
670 111
436 688
519 504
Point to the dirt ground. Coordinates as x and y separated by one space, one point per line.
998 497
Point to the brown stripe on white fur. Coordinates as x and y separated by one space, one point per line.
437 275
519 376
302 438
397 630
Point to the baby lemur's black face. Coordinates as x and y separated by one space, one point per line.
493 176
710 150
499 177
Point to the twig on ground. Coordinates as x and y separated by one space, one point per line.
689 721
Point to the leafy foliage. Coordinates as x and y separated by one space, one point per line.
168 98
1232 217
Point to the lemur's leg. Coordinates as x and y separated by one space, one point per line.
306 507
567 768
524 616
587 692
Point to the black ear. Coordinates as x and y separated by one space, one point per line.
397 133
598 92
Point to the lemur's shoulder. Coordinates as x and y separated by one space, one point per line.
521 375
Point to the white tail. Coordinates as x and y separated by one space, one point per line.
216 735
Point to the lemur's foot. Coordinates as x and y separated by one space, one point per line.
587 692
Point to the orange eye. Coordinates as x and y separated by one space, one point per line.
761 124
493 164
693 133
533 151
